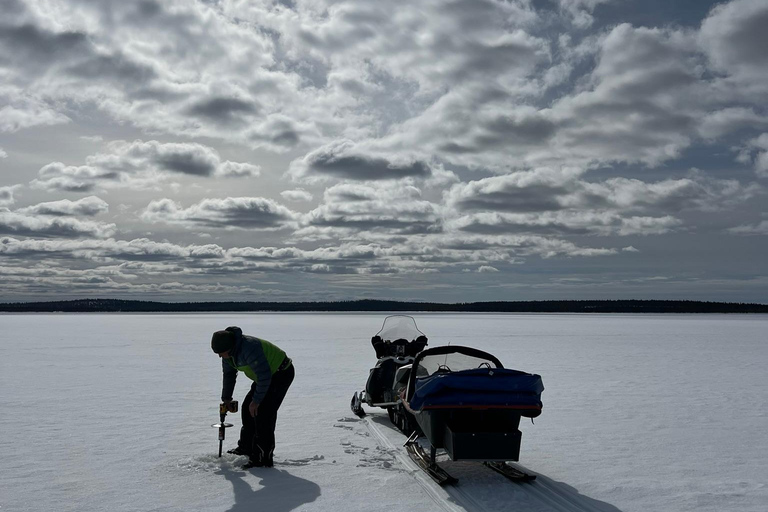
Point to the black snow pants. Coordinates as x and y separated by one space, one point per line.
257 435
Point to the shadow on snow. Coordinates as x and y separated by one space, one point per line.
542 495
280 491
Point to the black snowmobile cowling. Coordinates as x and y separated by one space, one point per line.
396 344
398 337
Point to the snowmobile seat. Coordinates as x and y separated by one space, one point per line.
380 380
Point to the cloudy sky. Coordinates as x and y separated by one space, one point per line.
433 150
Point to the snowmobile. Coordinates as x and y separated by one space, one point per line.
465 402
396 345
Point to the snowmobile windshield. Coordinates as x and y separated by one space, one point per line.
399 327
447 360
453 362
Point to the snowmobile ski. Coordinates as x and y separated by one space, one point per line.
357 404
510 472
420 457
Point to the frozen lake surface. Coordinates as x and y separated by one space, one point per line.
641 413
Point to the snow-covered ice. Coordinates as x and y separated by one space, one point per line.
641 413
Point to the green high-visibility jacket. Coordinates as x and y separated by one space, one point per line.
259 359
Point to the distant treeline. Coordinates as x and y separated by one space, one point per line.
549 306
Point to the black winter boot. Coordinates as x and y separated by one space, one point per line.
253 464
238 451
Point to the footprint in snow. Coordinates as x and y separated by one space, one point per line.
302 462
353 449
209 463
382 459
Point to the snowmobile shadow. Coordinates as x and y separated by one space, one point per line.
280 492
479 488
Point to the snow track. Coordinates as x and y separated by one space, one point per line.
482 490
435 492
552 497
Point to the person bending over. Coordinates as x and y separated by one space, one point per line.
272 373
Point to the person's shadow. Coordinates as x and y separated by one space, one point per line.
280 492
542 495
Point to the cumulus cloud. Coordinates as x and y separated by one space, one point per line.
3 154
255 213
580 11
648 225
20 112
641 103
222 109
430 252
761 228
537 190
140 249
89 283
280 133
564 202
648 98
639 108
348 35
36 47
345 160
244 83
97 54
87 206
350 210
237 170
321 71
546 189
473 100
734 38
298 194
55 218
143 265
69 178
506 247
729 120
140 164
14 223
755 152
601 223
6 194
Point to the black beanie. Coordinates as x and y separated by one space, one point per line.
222 341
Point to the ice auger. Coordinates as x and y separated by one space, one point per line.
224 408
